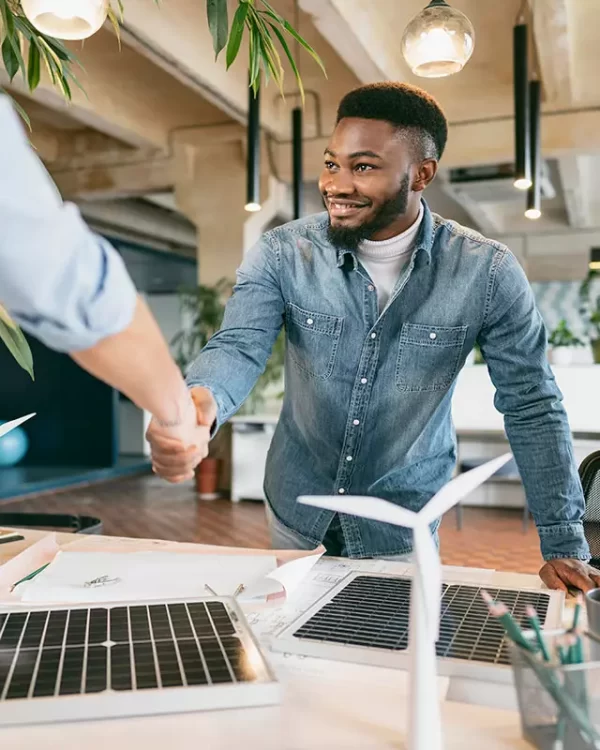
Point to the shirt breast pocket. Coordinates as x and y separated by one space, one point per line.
429 356
312 340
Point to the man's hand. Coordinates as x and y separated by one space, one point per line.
567 573
176 451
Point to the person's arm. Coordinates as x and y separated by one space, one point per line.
228 367
70 289
235 357
513 344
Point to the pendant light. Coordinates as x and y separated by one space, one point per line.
253 165
297 127
438 41
297 171
534 194
522 105
66 19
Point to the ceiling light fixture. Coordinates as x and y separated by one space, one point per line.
253 165
297 170
522 105
534 194
66 19
438 41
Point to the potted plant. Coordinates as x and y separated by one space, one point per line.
563 341
271 376
590 311
202 310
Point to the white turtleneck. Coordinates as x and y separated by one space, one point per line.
386 260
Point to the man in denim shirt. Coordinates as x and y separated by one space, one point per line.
382 301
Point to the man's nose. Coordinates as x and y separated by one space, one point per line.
340 183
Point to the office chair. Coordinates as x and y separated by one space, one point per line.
589 473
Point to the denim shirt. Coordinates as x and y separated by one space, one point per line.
366 409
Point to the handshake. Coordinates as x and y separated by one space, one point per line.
177 448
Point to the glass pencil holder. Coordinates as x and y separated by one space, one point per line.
559 704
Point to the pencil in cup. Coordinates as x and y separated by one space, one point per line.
566 704
514 632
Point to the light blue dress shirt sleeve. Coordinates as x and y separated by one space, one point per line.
59 281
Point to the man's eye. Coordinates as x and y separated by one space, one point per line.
363 167
329 165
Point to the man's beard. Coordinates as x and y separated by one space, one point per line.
349 238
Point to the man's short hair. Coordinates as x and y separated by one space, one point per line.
412 110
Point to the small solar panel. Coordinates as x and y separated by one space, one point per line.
128 660
366 619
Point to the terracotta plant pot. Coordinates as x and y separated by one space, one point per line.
207 478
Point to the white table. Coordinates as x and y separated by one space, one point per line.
337 706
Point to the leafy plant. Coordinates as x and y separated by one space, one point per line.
264 26
562 336
202 309
588 308
15 341
16 33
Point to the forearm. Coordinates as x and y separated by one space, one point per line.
513 342
229 367
138 363
541 444
234 358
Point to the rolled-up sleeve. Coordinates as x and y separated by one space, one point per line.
59 281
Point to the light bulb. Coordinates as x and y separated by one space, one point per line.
533 213
66 19
438 41
252 207
523 183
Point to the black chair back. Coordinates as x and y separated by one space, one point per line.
589 473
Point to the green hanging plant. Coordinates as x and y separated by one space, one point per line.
15 341
257 18
264 26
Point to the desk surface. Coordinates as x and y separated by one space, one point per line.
344 707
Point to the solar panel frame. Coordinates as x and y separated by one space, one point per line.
64 663
289 640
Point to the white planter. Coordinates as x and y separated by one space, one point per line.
562 355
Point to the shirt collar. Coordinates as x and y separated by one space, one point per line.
424 241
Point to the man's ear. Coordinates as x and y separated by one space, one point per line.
425 174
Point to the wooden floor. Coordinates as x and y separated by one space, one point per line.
147 507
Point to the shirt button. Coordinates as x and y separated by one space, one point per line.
363 380
373 335
341 491
348 458
433 335
371 288
310 321
356 422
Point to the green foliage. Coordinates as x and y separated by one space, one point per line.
15 341
17 33
202 309
562 336
257 18
590 308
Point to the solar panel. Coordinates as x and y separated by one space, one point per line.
147 658
366 619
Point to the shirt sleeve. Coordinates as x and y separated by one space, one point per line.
234 358
513 344
59 281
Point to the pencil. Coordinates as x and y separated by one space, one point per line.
514 632
535 624
29 577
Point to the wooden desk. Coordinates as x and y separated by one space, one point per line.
342 709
